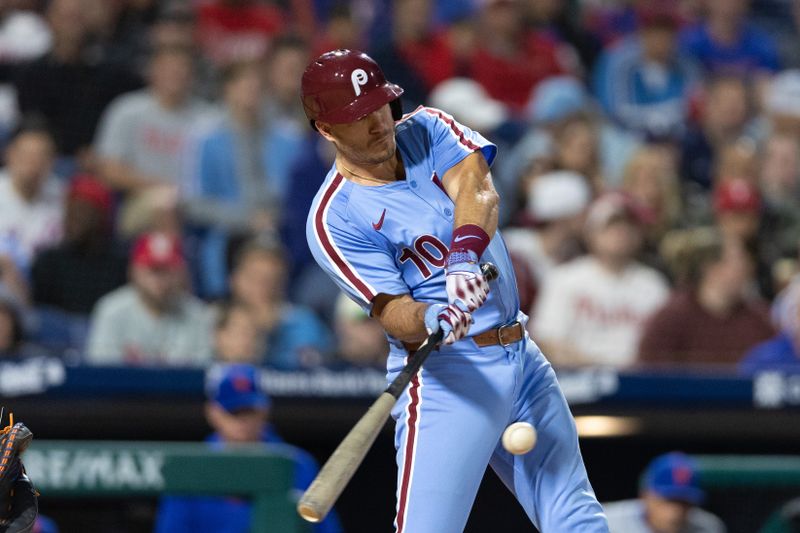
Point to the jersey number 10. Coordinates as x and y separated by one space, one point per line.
427 250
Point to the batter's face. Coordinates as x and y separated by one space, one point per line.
366 142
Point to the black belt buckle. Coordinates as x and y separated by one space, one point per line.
502 329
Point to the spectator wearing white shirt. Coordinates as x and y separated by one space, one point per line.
144 136
152 321
31 197
591 310
549 230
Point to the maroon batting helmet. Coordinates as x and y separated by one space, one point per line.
344 86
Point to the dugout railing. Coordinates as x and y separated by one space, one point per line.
89 469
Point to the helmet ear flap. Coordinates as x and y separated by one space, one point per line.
397 108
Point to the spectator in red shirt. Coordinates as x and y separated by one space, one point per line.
511 60
237 30
712 320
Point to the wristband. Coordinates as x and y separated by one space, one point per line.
469 238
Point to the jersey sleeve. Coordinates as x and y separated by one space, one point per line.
359 266
451 142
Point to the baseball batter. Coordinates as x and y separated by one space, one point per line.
402 222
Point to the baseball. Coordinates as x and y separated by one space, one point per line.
519 438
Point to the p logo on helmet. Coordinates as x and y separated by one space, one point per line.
345 86
358 78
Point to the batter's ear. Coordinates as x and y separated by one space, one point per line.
324 129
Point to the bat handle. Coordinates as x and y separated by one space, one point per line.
489 271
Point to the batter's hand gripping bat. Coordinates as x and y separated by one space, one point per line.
342 464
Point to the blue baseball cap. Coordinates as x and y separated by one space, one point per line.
236 387
674 476
557 98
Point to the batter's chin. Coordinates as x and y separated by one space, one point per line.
378 159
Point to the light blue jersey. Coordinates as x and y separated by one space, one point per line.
393 239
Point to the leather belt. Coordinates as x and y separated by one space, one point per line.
504 335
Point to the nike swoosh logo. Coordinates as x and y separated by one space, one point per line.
379 224
462 237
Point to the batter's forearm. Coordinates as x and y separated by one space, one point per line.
477 203
404 319
469 185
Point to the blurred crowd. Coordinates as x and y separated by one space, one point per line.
158 168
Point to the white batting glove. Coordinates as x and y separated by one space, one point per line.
451 319
465 283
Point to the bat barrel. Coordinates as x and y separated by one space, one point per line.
317 501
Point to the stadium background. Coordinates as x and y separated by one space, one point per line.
586 99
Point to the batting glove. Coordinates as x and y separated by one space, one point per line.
466 286
451 319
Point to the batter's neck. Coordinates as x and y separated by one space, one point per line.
390 170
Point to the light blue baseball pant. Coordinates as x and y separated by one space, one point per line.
449 423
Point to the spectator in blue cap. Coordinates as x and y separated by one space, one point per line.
238 410
669 499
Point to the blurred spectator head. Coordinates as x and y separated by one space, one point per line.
556 99
614 229
502 20
737 160
259 274
361 340
342 30
29 158
703 259
727 10
101 16
69 23
88 213
174 27
469 103
561 195
658 30
543 12
779 178
556 207
237 406
11 323
158 270
237 338
650 178
287 59
171 74
669 488
576 146
725 107
782 102
411 19
737 207
243 86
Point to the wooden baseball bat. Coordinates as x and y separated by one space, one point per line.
317 501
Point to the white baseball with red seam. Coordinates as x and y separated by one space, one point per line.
519 438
